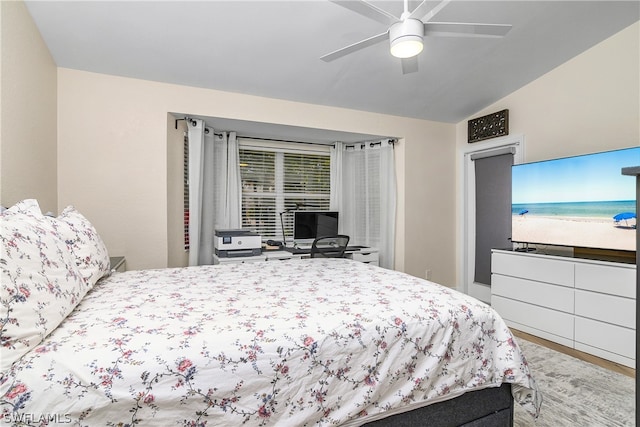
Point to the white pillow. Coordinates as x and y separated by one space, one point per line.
84 242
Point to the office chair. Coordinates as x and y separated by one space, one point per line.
329 246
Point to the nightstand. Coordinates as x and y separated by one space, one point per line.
118 264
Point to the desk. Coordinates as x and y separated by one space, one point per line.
360 254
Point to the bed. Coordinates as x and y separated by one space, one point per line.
278 343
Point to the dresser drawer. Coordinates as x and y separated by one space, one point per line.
544 319
611 338
619 280
533 267
606 308
366 257
543 294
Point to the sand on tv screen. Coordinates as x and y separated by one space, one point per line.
582 201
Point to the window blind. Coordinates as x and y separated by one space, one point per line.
278 177
258 175
305 175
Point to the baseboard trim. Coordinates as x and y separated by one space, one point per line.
604 363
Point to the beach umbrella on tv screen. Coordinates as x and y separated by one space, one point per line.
624 216
523 211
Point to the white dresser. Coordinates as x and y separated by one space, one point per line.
580 303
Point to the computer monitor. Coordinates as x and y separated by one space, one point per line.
307 225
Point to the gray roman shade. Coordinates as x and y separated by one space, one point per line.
493 207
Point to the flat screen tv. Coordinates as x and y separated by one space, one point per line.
307 225
580 202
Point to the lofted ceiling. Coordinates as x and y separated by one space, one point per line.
273 48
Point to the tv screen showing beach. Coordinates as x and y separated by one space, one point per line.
581 201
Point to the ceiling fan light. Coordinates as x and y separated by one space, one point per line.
406 47
406 38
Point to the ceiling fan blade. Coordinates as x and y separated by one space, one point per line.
465 29
409 65
428 9
367 9
355 47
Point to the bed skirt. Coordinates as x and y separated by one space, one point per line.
491 407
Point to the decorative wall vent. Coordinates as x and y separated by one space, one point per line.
489 126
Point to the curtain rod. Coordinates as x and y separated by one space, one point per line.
192 121
372 144
392 142
281 140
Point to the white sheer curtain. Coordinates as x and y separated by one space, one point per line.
201 202
228 187
335 201
367 199
214 189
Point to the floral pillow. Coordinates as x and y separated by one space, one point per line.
28 206
84 242
40 281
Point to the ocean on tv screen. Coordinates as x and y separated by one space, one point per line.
581 201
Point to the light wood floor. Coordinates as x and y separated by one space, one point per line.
607 364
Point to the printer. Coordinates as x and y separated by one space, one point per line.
237 243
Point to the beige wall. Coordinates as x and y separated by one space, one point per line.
28 167
430 206
588 104
114 163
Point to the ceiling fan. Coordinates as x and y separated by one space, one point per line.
406 33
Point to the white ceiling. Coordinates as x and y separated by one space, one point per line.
273 49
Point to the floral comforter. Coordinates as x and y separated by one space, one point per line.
292 343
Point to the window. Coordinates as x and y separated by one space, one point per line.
470 155
280 176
